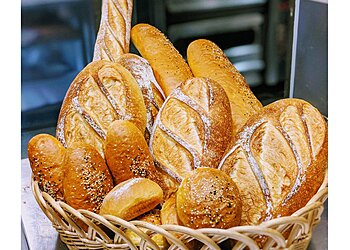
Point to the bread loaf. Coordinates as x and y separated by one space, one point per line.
101 93
46 157
168 213
206 59
132 198
127 153
152 217
278 159
86 179
113 37
193 128
169 68
152 93
208 197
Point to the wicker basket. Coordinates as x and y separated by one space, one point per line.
108 232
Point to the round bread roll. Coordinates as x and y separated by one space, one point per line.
127 153
132 198
152 217
208 197
46 157
87 179
101 93
278 160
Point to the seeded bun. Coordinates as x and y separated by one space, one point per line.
208 197
46 156
87 179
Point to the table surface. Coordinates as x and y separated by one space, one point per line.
38 233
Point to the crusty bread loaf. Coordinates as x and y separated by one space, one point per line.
208 197
152 93
206 59
193 128
169 68
113 37
132 198
86 178
127 153
101 93
278 159
46 156
152 217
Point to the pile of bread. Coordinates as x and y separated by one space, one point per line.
159 139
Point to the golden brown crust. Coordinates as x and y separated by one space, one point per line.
206 59
278 159
127 153
113 37
152 217
87 179
168 213
46 156
132 198
169 68
208 197
193 128
101 93
152 93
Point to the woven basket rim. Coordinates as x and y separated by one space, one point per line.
209 236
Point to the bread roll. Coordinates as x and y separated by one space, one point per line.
152 217
86 179
206 59
169 68
101 93
127 153
113 37
193 128
208 197
152 93
132 198
168 213
278 159
46 156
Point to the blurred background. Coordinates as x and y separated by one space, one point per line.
58 36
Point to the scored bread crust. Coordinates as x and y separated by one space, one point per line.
101 93
192 129
113 37
169 67
206 59
152 93
278 160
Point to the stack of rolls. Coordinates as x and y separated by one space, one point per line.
153 137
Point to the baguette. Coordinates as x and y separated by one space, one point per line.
169 68
206 59
113 37
278 160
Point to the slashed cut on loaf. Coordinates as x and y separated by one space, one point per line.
193 128
278 160
101 93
